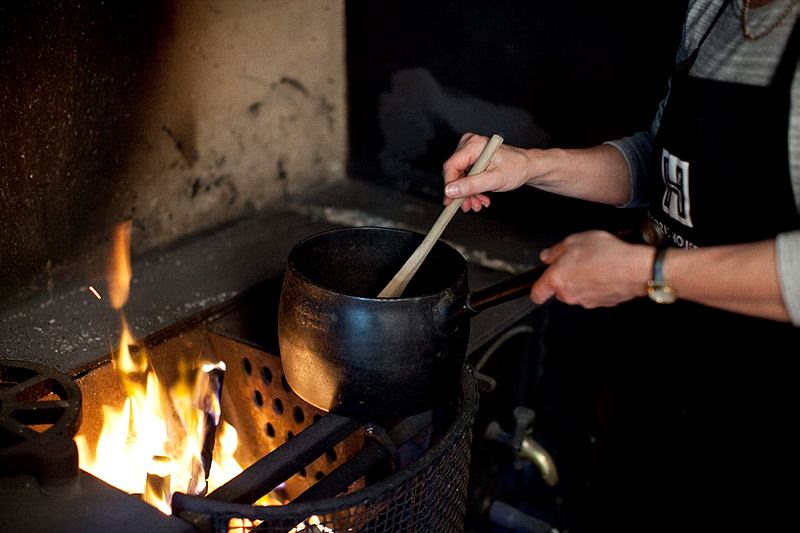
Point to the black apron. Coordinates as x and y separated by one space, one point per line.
707 402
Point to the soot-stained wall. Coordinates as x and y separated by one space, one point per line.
180 115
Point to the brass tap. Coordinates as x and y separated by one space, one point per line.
524 445
533 451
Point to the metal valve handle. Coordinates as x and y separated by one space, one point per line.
40 412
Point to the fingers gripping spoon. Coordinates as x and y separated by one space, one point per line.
395 287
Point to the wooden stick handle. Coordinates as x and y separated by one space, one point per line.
398 283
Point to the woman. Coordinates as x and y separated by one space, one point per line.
706 427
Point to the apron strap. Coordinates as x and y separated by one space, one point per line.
687 63
788 63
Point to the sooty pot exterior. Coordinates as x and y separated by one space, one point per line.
346 351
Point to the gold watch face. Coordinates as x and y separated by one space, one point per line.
661 293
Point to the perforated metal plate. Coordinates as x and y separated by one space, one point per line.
258 402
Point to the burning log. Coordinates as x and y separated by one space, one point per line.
156 488
166 434
209 397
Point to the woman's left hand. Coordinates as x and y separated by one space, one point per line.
594 269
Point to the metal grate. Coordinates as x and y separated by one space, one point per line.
427 496
259 403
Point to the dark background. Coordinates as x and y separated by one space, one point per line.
542 73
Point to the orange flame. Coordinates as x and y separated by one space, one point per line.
118 272
153 444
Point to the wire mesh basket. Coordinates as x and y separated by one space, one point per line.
428 495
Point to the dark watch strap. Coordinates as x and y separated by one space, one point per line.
658 265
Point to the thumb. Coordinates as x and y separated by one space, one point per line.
472 185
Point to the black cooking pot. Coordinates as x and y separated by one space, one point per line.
346 351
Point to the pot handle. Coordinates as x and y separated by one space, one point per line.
501 292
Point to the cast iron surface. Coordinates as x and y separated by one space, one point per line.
346 351
86 505
427 495
40 411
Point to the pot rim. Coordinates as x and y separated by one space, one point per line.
432 295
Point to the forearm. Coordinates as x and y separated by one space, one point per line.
598 174
742 278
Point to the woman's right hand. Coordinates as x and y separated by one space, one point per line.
507 170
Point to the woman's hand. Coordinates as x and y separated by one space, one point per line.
598 174
507 170
594 269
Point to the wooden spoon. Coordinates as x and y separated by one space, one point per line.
398 283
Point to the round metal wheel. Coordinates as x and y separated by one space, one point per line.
40 412
35 397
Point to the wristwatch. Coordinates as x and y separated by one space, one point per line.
658 289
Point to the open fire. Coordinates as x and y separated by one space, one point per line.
158 441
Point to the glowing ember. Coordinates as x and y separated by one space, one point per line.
312 524
94 291
242 525
154 444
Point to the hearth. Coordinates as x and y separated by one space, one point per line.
323 471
